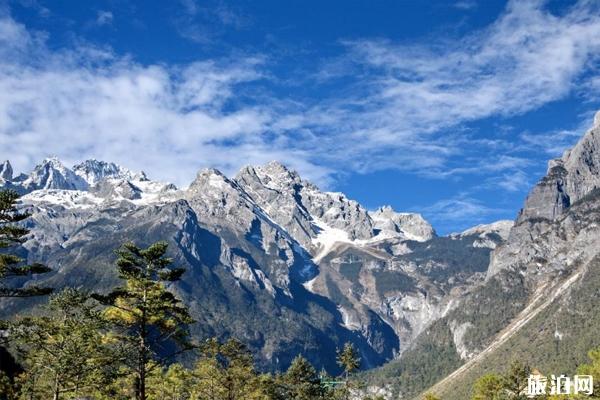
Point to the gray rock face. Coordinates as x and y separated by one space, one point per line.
568 179
6 171
410 225
116 188
93 171
52 174
300 207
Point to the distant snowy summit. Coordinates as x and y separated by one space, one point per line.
87 184
314 218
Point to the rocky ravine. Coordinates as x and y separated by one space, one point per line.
271 259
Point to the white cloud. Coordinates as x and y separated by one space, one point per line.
104 18
405 95
403 107
87 102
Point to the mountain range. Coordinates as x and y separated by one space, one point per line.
271 259
290 269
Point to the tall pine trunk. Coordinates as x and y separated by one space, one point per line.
142 354
56 388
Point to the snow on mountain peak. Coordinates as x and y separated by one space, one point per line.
6 171
93 171
411 225
91 182
501 228
52 174
485 233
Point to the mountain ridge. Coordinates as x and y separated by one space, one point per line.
537 301
375 278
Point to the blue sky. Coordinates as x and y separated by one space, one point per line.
448 108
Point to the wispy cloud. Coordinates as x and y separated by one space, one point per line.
203 22
459 212
395 105
465 4
104 18
513 181
407 94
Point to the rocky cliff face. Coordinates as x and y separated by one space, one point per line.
6 171
568 181
537 300
300 207
409 225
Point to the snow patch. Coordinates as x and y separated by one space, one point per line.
348 321
458 336
309 285
65 198
327 239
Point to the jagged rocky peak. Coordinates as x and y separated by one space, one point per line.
300 207
93 171
217 192
95 181
501 228
220 201
6 171
52 174
410 225
488 235
569 178
210 177
275 175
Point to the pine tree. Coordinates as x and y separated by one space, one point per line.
11 236
149 317
348 359
172 383
515 380
13 266
226 372
488 387
63 351
593 369
300 382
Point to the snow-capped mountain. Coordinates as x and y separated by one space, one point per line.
87 184
93 171
6 171
409 225
264 245
52 174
